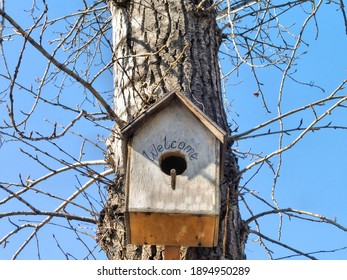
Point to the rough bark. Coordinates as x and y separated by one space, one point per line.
160 47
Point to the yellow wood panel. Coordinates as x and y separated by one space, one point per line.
172 229
172 253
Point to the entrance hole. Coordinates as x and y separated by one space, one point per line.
173 160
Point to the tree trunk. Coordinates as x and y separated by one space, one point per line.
160 47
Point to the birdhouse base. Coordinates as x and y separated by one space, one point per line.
172 229
172 253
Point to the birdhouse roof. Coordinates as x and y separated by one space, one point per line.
163 103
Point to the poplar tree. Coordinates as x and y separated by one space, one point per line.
155 47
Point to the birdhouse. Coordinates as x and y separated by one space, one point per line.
174 157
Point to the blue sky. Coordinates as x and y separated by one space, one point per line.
312 174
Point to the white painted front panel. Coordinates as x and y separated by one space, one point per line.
174 129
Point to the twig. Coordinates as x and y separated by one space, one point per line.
282 244
316 252
282 116
63 68
31 184
49 213
3 241
287 131
309 128
21 199
343 13
301 212
59 208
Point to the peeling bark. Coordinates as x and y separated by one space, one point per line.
160 47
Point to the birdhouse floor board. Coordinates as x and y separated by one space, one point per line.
173 229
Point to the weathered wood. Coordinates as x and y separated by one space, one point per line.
172 253
162 47
211 125
173 229
176 132
173 175
173 139
164 102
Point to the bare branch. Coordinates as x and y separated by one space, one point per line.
314 253
31 183
63 68
342 5
68 96
60 208
50 214
282 116
309 128
319 218
300 253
